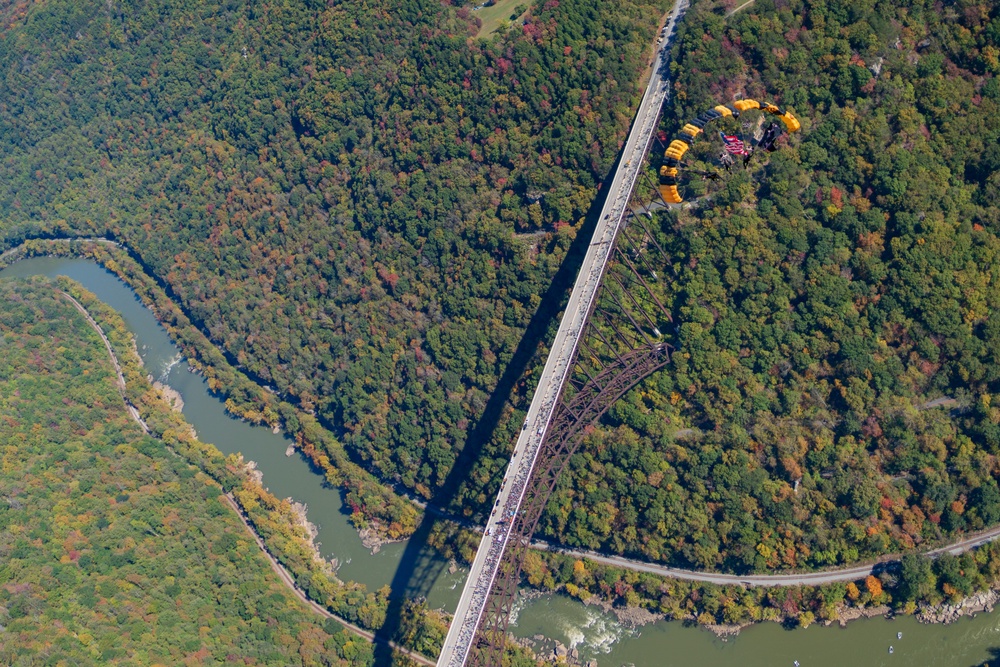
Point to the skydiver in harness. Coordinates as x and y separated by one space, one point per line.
706 175
767 142
733 146
726 160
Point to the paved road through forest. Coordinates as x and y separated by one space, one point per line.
850 573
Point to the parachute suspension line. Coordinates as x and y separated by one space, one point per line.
746 128
657 190
645 235
659 193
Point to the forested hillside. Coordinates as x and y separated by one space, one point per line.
832 393
112 549
331 189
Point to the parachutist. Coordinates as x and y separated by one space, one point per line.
707 175
767 142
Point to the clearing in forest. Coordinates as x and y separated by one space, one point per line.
492 16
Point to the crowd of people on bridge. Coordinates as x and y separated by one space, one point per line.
501 520
498 531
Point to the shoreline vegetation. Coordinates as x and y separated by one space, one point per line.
635 598
115 548
374 506
155 404
279 525
328 194
251 475
289 581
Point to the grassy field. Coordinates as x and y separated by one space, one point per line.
493 16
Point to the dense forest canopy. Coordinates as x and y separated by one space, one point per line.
345 199
331 189
832 393
112 549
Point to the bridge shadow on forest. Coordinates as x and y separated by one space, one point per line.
420 565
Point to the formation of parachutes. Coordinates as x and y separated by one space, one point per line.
671 168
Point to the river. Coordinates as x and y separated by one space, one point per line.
594 633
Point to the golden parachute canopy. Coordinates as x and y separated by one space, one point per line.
682 142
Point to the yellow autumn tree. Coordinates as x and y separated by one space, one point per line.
852 591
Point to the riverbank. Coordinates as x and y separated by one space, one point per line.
171 395
280 528
677 597
376 506
172 398
289 581
133 412
376 532
946 614
637 601
964 543
598 636
553 650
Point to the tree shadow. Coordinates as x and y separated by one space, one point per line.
993 660
421 565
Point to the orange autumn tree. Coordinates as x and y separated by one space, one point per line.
873 585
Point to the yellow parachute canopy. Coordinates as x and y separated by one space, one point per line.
682 142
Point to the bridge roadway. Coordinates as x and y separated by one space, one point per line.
470 609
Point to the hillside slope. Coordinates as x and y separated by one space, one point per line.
831 397
114 550
330 189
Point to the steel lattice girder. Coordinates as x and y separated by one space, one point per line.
564 437
561 441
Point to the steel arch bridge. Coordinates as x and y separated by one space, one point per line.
612 359
610 338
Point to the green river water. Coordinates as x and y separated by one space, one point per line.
592 632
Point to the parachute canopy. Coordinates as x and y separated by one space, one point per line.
682 142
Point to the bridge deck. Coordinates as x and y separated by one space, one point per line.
562 353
